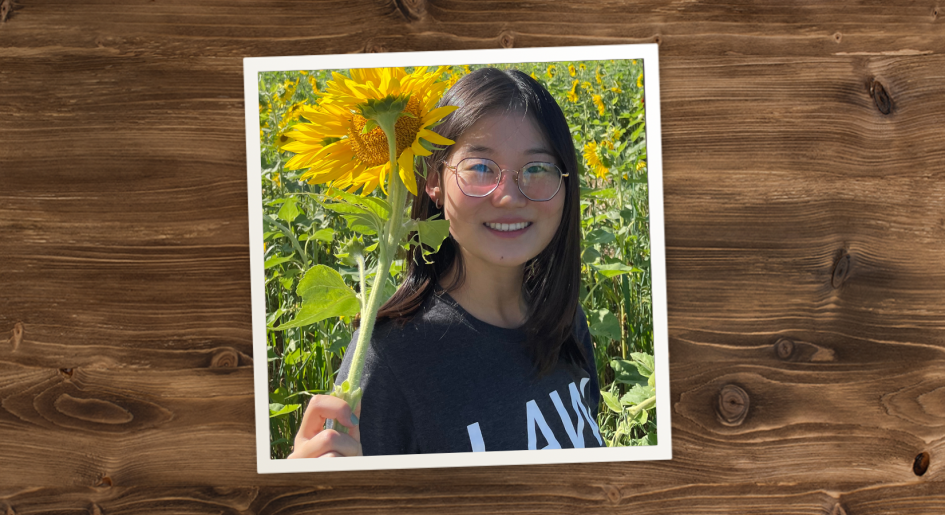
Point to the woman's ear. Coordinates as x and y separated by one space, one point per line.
433 187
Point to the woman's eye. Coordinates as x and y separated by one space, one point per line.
479 168
539 169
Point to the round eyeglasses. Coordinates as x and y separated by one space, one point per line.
478 177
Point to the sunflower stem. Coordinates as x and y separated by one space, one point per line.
388 242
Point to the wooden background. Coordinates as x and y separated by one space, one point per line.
804 151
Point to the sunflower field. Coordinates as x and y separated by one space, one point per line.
604 104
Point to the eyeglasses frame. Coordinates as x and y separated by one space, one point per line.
499 180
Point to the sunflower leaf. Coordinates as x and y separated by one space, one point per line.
324 295
377 205
431 233
360 220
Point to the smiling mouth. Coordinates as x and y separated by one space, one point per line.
508 227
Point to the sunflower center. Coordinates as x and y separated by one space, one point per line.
371 148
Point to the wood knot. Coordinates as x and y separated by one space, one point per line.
225 358
6 10
658 40
935 13
17 338
613 493
104 482
506 40
838 510
92 410
373 47
66 373
921 463
841 269
880 97
412 10
837 36
732 405
784 347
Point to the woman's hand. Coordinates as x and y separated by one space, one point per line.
312 441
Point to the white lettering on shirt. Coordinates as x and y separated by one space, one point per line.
534 416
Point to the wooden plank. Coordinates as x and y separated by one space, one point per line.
568 497
242 28
804 422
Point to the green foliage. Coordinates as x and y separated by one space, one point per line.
307 228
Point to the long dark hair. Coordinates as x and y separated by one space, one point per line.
552 278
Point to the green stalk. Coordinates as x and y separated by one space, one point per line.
387 246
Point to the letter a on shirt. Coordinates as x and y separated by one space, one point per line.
534 417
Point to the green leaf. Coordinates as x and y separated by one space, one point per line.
598 236
292 357
276 260
286 282
274 316
603 323
289 210
611 402
326 235
324 295
615 269
376 205
644 362
590 255
626 372
432 233
278 395
360 220
279 410
637 394
640 418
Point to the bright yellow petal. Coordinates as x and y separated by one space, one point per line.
438 114
433 137
406 170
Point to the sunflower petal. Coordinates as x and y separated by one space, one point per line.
434 138
406 170
438 114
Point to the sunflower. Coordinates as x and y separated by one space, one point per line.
599 103
572 70
336 149
572 95
640 80
593 159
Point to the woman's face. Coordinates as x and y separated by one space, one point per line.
505 228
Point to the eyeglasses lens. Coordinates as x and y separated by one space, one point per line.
479 177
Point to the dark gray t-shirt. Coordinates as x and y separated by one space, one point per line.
448 382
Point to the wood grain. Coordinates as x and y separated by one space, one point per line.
804 175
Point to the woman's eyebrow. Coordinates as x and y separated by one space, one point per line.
475 149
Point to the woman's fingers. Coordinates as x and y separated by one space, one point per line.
320 409
313 441
328 443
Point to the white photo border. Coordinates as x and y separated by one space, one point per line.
252 66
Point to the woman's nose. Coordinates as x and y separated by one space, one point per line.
507 193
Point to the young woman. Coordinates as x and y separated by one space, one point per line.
484 348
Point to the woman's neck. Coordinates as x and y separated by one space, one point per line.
493 296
